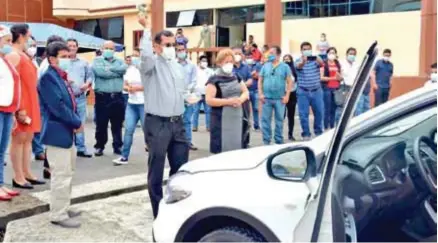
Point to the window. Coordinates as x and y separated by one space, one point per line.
107 28
332 8
382 6
295 9
200 17
241 15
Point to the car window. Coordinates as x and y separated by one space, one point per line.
400 126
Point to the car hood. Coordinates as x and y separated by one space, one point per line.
244 159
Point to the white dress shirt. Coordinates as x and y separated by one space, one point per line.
203 75
133 77
349 71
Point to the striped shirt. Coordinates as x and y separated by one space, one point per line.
309 77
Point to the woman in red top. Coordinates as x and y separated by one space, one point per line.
9 98
330 78
28 115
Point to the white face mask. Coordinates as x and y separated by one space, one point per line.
387 59
204 64
237 58
433 77
249 61
228 68
331 57
31 51
168 53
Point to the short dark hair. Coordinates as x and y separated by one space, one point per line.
251 36
387 51
433 66
254 45
165 33
179 29
202 57
53 38
54 48
351 49
17 30
73 40
266 46
306 43
277 49
332 48
127 57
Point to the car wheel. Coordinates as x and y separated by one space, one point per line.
232 234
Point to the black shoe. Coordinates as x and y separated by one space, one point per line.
195 129
84 155
291 138
117 151
192 147
36 182
26 185
98 152
40 157
46 174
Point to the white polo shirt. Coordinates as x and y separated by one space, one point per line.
133 77
349 71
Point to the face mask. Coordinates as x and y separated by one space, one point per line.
386 59
351 58
135 61
307 53
322 39
271 58
433 77
64 63
182 55
204 64
108 54
6 49
249 61
31 51
168 53
228 68
237 58
331 57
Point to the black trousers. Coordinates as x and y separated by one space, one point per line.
163 135
290 107
109 107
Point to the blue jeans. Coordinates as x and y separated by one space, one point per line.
381 96
5 133
330 108
133 114
278 107
197 109
315 100
81 107
37 146
188 113
363 105
254 98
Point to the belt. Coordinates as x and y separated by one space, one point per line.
167 118
112 95
309 90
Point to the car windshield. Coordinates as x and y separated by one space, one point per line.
403 125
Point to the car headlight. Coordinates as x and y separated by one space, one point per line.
178 187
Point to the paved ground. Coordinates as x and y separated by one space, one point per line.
100 168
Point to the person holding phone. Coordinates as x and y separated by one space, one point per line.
309 92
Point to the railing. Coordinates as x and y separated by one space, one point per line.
211 53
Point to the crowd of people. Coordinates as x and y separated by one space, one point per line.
43 102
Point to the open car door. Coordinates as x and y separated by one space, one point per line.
317 224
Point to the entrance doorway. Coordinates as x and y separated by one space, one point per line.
230 36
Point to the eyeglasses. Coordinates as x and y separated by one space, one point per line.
170 45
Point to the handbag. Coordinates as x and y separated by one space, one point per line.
340 95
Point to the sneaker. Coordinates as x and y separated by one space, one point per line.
120 161
68 223
193 147
195 129
84 154
117 151
98 152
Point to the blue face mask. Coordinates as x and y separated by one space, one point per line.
307 53
351 58
271 58
182 55
135 61
108 54
6 49
64 63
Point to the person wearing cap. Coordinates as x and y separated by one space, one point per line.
9 102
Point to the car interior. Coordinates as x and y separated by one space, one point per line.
385 184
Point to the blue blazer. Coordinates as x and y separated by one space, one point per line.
61 120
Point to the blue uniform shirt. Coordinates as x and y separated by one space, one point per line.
384 71
274 79
243 72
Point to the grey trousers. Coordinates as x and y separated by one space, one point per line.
62 165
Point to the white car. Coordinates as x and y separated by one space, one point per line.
372 181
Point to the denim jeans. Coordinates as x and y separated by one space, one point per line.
37 146
276 106
133 114
363 105
188 113
254 98
197 109
381 96
5 133
315 100
81 107
330 108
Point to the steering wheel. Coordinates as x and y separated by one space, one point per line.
426 162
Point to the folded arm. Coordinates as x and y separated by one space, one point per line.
102 71
119 67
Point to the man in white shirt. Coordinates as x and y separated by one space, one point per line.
432 83
135 104
203 74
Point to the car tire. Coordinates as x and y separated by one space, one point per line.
232 234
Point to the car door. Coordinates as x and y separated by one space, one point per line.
317 223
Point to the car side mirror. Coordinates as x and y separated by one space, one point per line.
292 164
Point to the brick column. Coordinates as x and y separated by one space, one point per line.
273 18
428 44
157 13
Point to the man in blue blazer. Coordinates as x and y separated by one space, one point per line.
58 132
